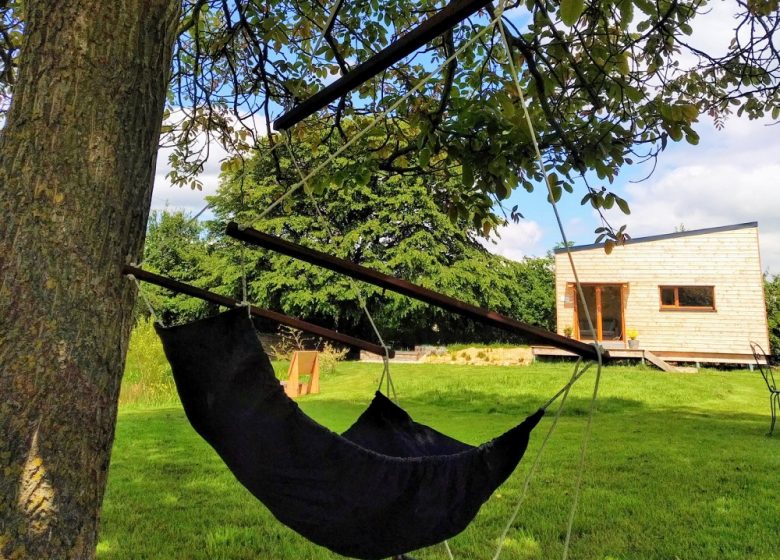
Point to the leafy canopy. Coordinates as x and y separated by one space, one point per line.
605 81
389 222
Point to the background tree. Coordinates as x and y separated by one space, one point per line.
387 222
176 247
772 293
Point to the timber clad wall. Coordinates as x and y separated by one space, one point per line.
726 258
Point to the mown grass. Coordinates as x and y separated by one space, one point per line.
678 467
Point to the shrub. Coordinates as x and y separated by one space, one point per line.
290 341
330 356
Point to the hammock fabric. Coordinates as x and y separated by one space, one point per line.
386 487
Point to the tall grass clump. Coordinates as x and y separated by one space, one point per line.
147 380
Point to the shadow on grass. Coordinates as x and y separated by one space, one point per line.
170 496
469 402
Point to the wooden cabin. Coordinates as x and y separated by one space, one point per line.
691 296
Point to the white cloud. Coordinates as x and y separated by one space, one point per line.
184 198
713 30
166 196
732 177
518 240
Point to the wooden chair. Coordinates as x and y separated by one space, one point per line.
762 361
303 376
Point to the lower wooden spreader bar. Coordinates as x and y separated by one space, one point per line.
534 334
225 301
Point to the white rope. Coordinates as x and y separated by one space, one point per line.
329 160
379 118
449 551
143 297
241 253
198 214
543 170
575 376
333 11
244 297
386 374
537 459
540 160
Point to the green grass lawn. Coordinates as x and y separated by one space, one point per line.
678 467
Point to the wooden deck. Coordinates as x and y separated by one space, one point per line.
615 353
660 359
620 353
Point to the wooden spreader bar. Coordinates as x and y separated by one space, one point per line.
225 301
445 19
535 334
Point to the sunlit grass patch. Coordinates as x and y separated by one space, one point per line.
678 467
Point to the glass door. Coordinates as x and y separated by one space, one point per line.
611 313
605 305
582 321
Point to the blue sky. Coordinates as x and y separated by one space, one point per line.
732 176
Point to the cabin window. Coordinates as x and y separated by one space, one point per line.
688 298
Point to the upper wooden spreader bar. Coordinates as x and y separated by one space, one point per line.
225 301
535 334
445 19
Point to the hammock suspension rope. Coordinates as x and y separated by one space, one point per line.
543 169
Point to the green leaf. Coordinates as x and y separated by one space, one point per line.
452 213
507 107
468 174
692 137
424 156
623 205
556 191
571 10
626 13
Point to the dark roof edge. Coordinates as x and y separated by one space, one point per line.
673 235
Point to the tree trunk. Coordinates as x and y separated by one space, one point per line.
77 158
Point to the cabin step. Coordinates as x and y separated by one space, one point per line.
658 362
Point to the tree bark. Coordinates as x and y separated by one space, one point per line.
77 159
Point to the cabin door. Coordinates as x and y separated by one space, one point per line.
605 305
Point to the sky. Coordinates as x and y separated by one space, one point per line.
731 177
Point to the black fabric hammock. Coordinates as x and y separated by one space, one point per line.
385 487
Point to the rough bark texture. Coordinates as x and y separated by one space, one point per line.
77 161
